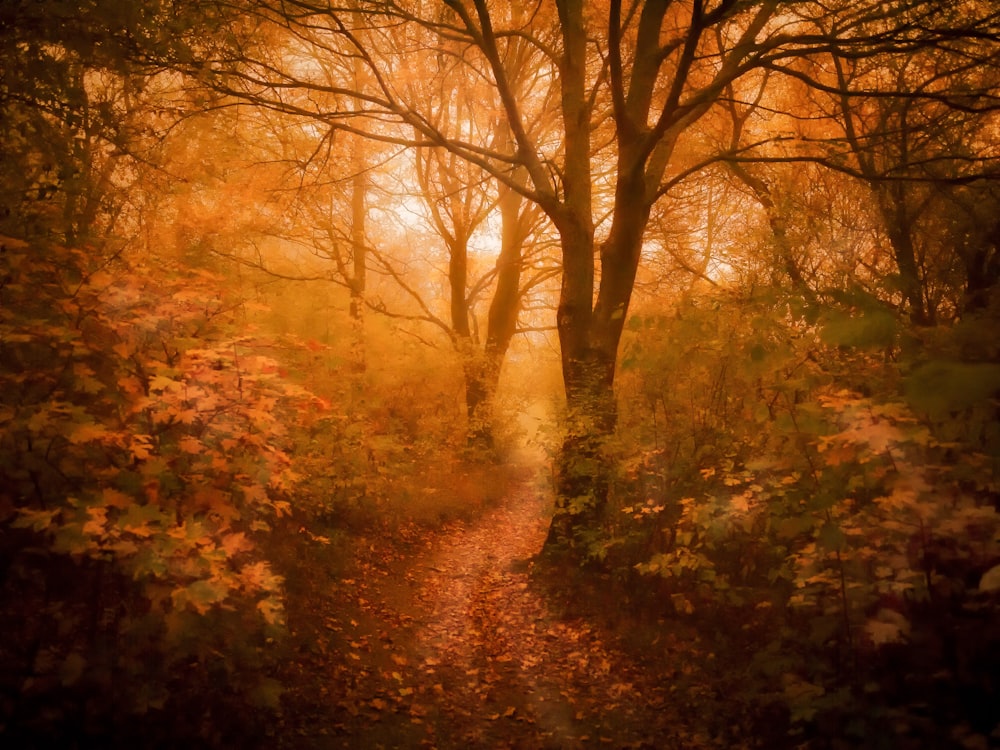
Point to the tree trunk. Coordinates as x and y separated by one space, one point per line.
501 320
892 204
589 330
982 269
590 339
359 246
480 387
776 221
357 281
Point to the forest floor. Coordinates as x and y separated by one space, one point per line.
454 637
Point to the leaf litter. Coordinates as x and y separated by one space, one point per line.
443 638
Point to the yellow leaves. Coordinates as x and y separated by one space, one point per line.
100 278
181 532
283 480
213 500
141 521
317 538
651 508
85 379
186 416
254 494
869 427
124 349
142 530
50 415
162 383
990 581
836 453
740 503
106 398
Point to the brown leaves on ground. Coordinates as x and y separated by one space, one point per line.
445 640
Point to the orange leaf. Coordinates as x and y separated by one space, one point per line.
233 544
88 433
190 444
115 499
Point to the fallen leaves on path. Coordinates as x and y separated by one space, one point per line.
445 641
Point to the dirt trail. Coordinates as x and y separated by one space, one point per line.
453 645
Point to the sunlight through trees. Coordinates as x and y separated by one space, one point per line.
302 274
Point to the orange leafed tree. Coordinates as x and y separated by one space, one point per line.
631 84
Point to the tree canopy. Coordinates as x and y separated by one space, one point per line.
271 267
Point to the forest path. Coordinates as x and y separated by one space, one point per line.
450 642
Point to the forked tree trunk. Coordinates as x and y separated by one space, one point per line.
590 340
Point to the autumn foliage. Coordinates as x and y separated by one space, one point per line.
822 490
144 450
284 285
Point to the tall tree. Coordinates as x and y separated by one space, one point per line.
631 82
903 108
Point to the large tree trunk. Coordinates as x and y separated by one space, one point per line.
589 330
648 122
480 387
590 339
